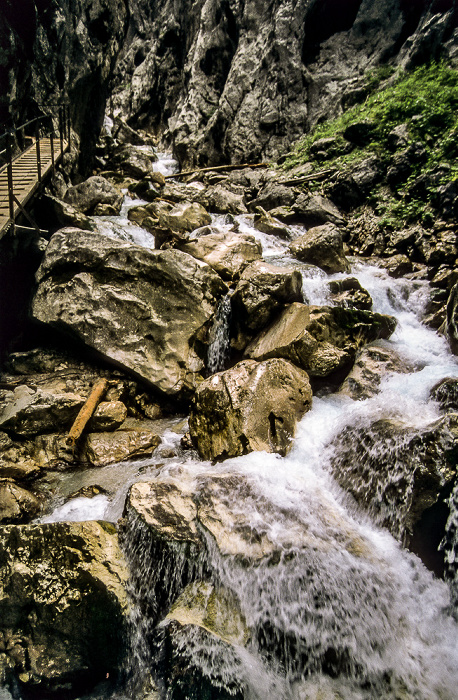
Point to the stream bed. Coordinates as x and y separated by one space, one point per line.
350 613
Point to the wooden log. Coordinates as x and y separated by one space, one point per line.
86 412
308 178
218 168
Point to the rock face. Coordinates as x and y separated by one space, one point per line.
63 605
58 52
145 310
319 339
257 76
253 406
227 253
321 246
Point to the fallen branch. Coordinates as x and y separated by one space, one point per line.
308 178
218 168
86 412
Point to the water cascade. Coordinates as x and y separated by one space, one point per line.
334 607
219 346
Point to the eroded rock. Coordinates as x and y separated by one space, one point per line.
144 310
227 253
63 601
253 406
320 340
321 246
93 191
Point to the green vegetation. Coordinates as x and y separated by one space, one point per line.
425 101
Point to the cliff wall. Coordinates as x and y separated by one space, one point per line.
240 80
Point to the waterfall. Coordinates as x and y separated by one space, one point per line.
219 346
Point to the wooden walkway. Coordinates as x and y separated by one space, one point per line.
25 177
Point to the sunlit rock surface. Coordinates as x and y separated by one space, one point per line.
141 309
253 406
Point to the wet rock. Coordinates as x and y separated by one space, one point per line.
27 412
445 393
63 601
321 246
227 253
371 366
17 505
203 616
314 210
265 222
452 319
185 216
349 293
93 191
133 161
398 472
320 340
397 265
100 449
123 133
92 287
67 215
263 290
253 406
223 200
108 416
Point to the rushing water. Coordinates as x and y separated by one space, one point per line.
346 613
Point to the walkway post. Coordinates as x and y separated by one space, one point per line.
9 170
61 130
51 139
37 138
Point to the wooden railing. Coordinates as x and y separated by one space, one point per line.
53 127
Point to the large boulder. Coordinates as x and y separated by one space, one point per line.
187 532
145 310
227 253
262 290
319 339
253 406
63 605
133 161
322 246
27 412
316 209
92 192
184 216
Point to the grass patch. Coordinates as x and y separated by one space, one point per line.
426 101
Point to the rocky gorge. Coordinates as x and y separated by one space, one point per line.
262 500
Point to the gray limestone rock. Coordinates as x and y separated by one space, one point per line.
321 246
63 604
253 406
227 253
320 340
145 310
92 192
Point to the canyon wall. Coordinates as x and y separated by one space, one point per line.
240 80
60 51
